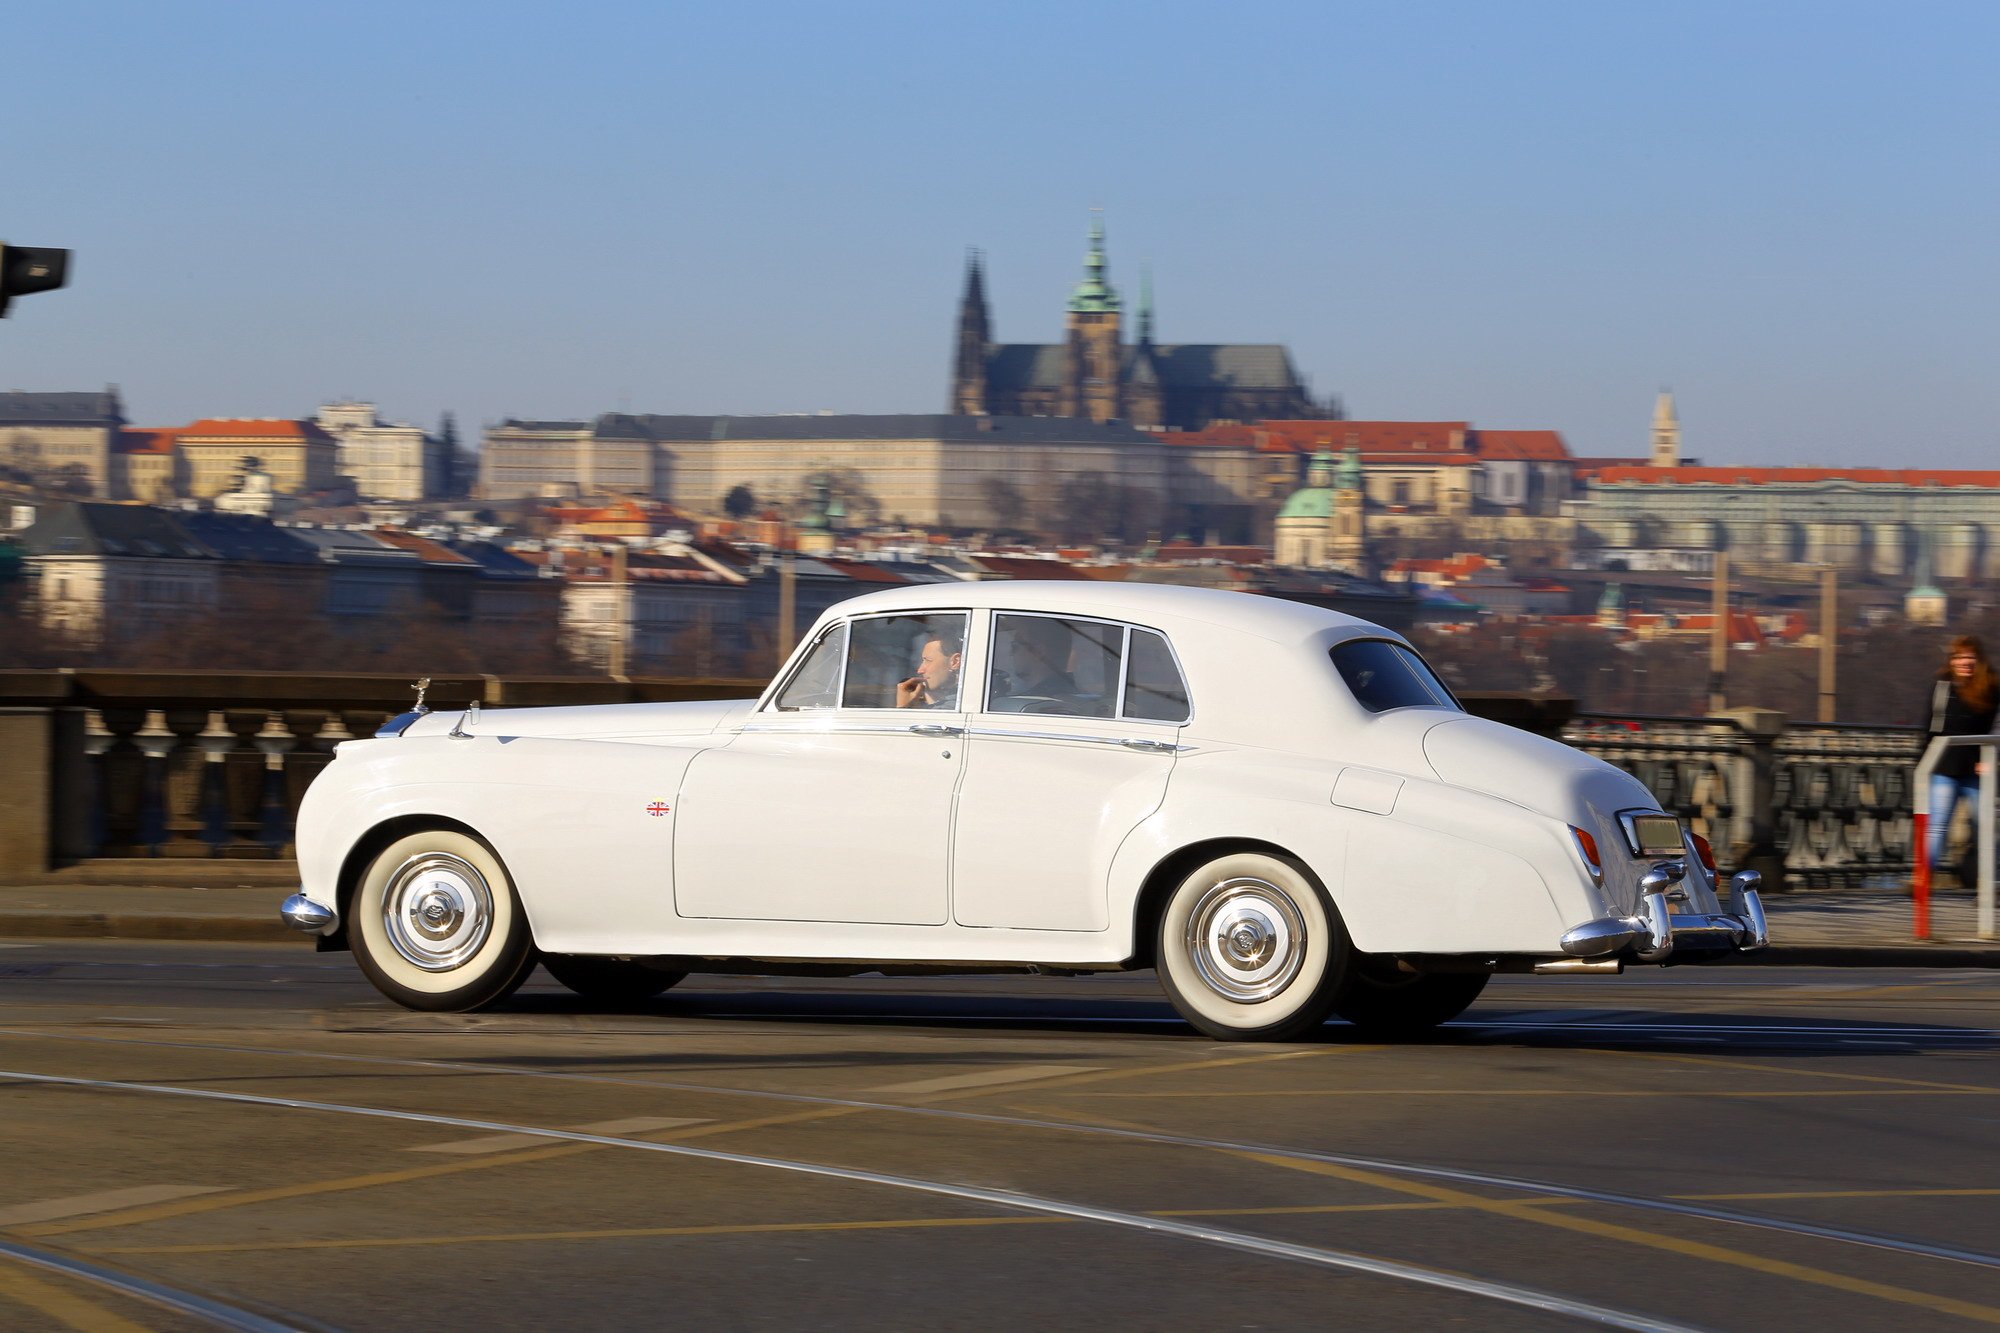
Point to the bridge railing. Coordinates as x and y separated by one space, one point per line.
1810 804
117 766
114 768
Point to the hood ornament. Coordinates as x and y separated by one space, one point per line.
420 687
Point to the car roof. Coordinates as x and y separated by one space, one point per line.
1241 612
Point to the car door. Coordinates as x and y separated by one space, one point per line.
832 803
1072 747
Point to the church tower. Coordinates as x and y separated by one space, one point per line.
1091 387
1666 432
975 339
1348 548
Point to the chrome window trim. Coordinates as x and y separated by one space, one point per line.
1129 742
784 682
1124 666
965 651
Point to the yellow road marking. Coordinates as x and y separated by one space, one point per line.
1532 1211
221 1202
56 1303
739 1229
753 1228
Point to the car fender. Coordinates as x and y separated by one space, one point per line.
1426 868
574 821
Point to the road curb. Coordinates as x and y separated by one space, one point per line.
144 926
1874 955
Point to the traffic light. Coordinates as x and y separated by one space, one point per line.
26 269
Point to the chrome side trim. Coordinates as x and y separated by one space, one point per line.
1129 742
830 728
303 914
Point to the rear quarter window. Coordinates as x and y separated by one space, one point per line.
1383 675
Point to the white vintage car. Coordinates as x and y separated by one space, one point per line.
1278 807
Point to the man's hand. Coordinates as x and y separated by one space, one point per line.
911 693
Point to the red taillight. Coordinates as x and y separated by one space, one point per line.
1588 846
1704 851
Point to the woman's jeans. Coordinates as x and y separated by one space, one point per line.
1946 793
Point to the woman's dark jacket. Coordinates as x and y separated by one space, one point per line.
1948 714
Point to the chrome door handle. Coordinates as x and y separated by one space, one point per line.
1151 747
937 729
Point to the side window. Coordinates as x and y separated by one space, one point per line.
1154 690
1386 675
908 661
816 684
1047 664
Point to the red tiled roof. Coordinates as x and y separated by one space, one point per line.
1541 446
862 571
1427 442
429 551
1794 476
261 428
146 440
1027 567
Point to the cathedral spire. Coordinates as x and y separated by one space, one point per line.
975 342
1145 305
1094 295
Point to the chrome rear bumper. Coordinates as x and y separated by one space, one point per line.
1656 931
303 914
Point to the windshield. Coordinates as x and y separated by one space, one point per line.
1386 675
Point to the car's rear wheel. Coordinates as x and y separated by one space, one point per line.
1396 1006
1251 949
436 924
610 980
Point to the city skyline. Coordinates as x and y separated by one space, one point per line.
1530 219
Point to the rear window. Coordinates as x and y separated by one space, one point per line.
1386 675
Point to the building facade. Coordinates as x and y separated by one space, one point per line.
299 457
61 441
386 460
1095 374
1862 521
104 572
146 465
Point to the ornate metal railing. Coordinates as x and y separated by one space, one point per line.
201 765
1829 803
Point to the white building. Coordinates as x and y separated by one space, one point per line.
388 461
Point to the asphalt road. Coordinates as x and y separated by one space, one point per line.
248 1136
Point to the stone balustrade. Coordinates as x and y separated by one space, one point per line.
109 768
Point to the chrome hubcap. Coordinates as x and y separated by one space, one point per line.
1246 939
437 911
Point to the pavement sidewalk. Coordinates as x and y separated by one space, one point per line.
225 901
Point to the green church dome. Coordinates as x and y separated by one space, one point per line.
1308 502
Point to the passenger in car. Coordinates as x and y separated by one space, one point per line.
936 683
1038 659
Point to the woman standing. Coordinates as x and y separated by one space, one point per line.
1962 704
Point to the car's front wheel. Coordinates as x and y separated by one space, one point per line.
609 980
1396 1006
1251 949
436 925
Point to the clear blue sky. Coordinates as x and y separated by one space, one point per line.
1522 214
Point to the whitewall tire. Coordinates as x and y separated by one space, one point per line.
1251 949
436 925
